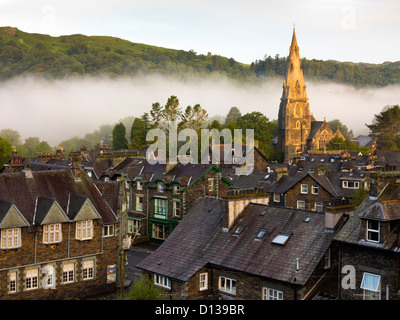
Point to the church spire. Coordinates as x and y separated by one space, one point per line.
294 85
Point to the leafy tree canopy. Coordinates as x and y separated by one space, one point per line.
119 137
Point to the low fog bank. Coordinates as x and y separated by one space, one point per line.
60 109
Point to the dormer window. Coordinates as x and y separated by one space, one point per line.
52 233
10 238
373 230
160 187
139 185
84 230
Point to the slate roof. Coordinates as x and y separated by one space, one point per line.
110 192
315 126
199 240
42 208
54 184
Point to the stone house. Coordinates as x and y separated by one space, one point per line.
242 248
369 248
58 236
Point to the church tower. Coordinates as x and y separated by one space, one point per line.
294 118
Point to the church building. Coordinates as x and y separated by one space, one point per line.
298 131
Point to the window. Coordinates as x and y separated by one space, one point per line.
68 270
49 280
301 204
327 259
277 197
261 234
31 279
10 238
203 281
52 233
160 206
160 231
271 294
238 230
319 206
12 282
162 281
88 269
133 226
373 231
176 208
160 187
314 189
108 231
177 189
139 203
371 284
84 230
281 238
227 285
139 185
351 184
304 188
210 184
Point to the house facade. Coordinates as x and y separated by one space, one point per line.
58 237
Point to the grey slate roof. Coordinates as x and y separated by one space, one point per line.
199 240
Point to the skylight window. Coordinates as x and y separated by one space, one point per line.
307 219
261 234
238 230
281 239
263 213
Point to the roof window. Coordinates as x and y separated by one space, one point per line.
281 238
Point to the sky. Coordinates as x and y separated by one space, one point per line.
357 31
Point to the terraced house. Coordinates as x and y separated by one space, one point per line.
58 236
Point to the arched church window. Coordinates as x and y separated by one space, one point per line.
297 124
323 140
297 87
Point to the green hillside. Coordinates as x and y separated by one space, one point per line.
24 53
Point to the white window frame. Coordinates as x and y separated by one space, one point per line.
346 184
108 230
88 269
160 187
139 206
319 205
10 238
277 197
84 230
176 189
156 231
162 281
314 189
272 294
210 186
203 281
160 209
139 185
368 293
176 208
31 279
52 233
68 272
227 285
375 231
133 226
13 281
303 207
304 188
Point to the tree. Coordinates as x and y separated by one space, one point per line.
337 124
359 196
119 138
138 134
386 129
233 115
172 110
12 136
42 147
30 144
262 128
5 151
215 124
145 289
146 121
194 117
156 113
